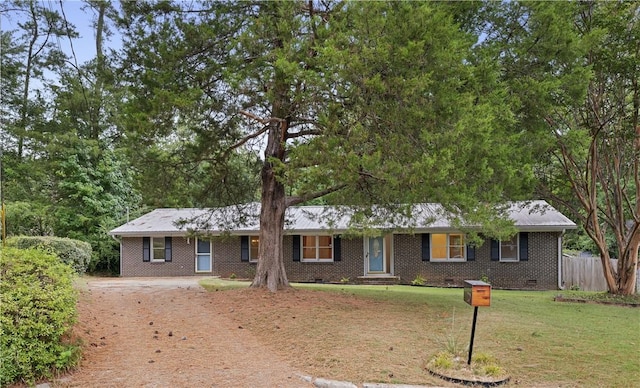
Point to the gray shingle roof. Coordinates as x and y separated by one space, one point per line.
243 219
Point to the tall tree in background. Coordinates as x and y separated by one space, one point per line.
38 31
378 103
27 54
92 187
63 172
574 69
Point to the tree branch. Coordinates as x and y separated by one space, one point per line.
292 201
308 132
249 137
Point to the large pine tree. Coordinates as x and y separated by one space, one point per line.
359 104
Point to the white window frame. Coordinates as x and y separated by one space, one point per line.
152 250
317 259
253 259
210 256
511 259
448 249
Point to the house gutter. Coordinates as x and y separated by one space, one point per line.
560 285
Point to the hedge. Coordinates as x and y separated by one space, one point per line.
76 253
37 313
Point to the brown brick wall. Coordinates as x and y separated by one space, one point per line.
227 261
350 266
539 272
182 264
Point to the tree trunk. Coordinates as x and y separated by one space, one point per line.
270 272
628 268
27 79
609 276
96 107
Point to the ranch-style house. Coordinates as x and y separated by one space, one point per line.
222 242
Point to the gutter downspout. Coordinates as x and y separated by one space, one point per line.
119 242
560 282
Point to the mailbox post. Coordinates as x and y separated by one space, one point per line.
476 293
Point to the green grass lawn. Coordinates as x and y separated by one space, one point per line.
537 340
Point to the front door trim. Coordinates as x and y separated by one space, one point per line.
378 255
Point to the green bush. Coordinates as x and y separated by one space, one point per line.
76 253
37 312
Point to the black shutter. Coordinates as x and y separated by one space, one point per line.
167 249
426 247
146 249
495 250
471 253
524 246
244 248
296 247
337 248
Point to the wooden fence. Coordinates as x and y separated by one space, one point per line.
586 273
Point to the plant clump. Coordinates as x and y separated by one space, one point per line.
484 369
75 253
37 313
418 281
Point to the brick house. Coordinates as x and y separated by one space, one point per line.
325 249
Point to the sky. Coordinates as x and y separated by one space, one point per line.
84 46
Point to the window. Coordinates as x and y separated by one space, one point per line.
249 247
156 249
157 254
203 255
509 249
254 244
513 249
317 248
447 247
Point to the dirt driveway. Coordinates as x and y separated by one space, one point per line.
168 332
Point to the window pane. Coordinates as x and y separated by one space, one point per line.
204 246
158 248
324 253
438 246
456 240
456 246
254 245
509 249
204 263
324 241
308 241
456 253
309 253
158 243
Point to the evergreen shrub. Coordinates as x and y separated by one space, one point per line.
37 313
76 253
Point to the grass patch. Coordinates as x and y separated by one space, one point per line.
484 368
387 334
600 297
217 284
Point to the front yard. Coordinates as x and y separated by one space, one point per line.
388 333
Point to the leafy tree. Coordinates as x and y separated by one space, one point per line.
63 167
29 218
573 68
39 28
360 104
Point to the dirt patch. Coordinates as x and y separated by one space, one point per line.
168 333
